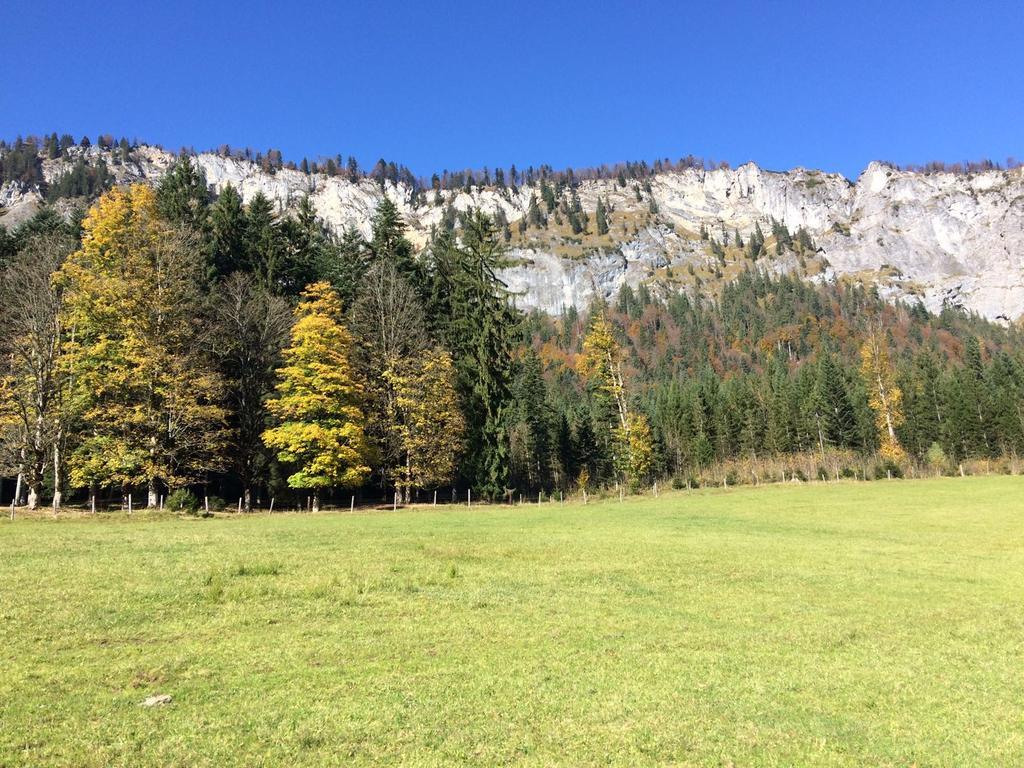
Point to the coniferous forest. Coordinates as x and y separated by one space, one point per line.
169 346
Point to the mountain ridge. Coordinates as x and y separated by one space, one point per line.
934 237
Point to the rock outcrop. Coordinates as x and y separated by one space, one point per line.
939 237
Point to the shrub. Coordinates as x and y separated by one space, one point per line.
936 457
883 469
183 500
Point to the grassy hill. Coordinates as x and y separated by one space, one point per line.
821 624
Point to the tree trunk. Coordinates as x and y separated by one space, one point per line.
152 498
316 500
247 499
19 484
58 480
33 495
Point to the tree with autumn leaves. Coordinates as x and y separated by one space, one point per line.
884 395
318 401
601 363
149 408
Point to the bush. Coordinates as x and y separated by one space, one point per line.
936 457
183 500
216 503
848 473
883 469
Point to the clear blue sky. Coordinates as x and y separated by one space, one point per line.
465 84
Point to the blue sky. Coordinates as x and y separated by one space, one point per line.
440 85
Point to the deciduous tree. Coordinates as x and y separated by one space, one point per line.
318 400
150 404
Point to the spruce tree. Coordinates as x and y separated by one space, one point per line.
601 217
473 315
228 227
389 244
263 242
183 196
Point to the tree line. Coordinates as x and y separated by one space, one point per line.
170 340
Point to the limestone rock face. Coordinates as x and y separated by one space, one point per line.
937 237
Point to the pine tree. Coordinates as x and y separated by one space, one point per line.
389 244
924 407
601 216
264 245
835 420
318 400
473 316
976 393
547 195
531 430
228 233
308 247
533 215
183 197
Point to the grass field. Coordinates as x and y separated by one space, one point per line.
842 624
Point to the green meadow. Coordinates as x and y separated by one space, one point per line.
843 624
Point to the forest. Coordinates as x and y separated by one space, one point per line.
168 345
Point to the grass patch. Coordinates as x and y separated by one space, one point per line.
821 624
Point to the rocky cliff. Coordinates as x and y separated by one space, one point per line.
939 237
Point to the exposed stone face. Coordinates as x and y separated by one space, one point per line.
941 237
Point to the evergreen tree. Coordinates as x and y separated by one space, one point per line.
183 196
474 317
531 429
228 235
533 215
264 245
601 217
834 416
389 244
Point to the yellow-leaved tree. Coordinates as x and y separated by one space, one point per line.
601 362
884 396
318 400
150 406
430 424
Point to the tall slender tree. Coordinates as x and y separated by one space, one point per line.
318 401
